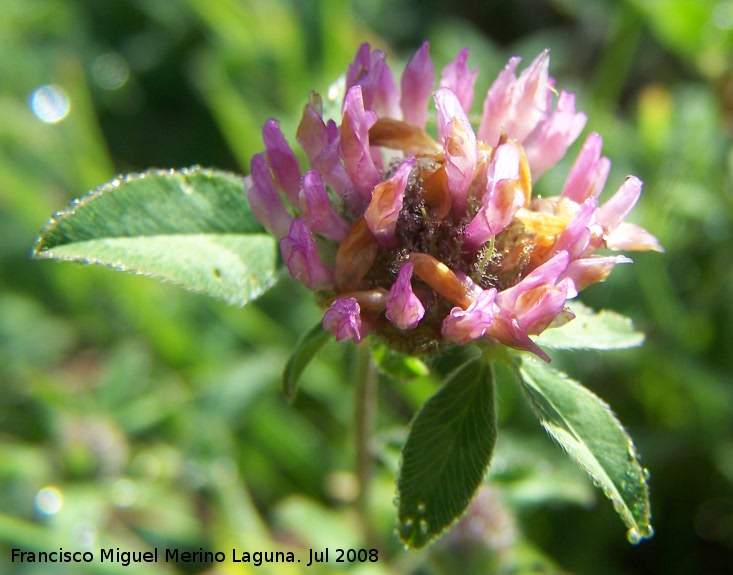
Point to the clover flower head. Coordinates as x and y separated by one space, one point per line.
426 238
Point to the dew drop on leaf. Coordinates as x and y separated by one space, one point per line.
618 506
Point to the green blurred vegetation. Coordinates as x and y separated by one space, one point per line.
154 417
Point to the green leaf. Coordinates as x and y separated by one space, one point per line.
395 364
192 227
305 350
592 330
446 454
590 433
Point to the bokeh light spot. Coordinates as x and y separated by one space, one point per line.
723 15
50 103
124 493
85 533
48 501
110 71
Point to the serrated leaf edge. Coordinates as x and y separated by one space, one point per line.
115 183
627 516
458 517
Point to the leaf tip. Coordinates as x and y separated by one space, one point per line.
636 536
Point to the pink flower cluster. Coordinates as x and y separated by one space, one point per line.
426 239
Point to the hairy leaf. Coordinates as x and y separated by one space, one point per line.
447 453
592 330
191 227
590 433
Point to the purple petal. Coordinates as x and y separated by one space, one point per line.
404 308
460 79
282 160
613 212
317 209
359 67
532 305
463 326
551 138
593 269
497 105
300 254
589 172
507 330
530 97
329 165
416 87
459 144
516 105
312 134
384 208
370 71
343 320
548 273
536 318
501 200
575 237
320 143
264 199
628 236
354 143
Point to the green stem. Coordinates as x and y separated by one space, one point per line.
365 403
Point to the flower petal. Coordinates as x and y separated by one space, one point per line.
460 79
317 209
529 307
548 273
404 308
320 141
497 104
459 144
575 237
551 138
354 143
301 257
416 87
589 172
530 97
593 269
370 71
504 195
508 331
384 208
463 326
516 105
312 134
282 160
264 199
613 212
540 306
343 320
628 236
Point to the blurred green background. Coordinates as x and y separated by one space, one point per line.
135 415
